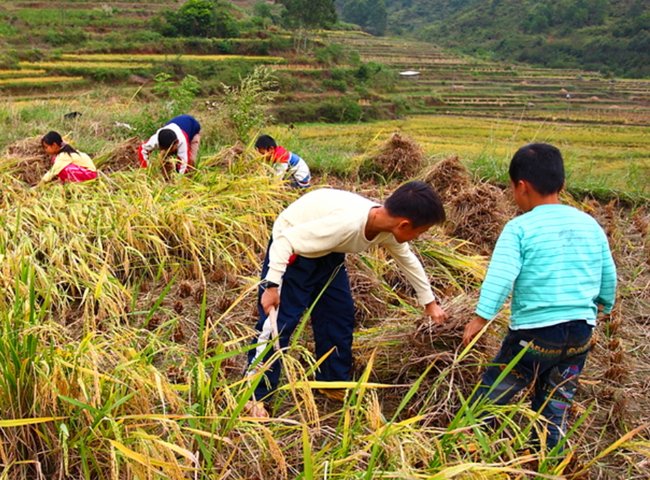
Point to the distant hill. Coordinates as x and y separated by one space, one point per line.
611 36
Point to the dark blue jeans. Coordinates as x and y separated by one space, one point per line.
332 317
553 362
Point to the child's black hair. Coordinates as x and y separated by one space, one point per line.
265 141
54 138
541 165
418 202
166 138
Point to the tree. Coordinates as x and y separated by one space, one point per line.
309 13
377 17
200 18
371 15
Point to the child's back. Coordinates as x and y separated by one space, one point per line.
556 262
557 258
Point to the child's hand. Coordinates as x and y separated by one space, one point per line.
270 298
436 313
472 329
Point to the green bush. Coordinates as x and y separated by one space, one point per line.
8 60
245 108
179 95
198 18
338 85
69 36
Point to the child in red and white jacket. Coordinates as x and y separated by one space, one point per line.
285 163
68 164
181 136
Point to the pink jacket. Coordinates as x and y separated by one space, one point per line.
71 167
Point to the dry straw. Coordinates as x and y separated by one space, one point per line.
399 158
477 211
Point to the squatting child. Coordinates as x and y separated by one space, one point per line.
556 262
285 163
181 136
68 164
306 254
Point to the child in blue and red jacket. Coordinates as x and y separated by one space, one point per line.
181 136
285 163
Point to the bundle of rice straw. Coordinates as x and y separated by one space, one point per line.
399 158
27 160
123 157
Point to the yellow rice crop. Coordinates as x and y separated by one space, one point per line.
116 57
20 73
86 65
38 80
89 241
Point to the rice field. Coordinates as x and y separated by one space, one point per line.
81 65
39 81
130 58
127 305
613 156
459 85
24 72
127 313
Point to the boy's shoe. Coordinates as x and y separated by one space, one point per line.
336 394
256 409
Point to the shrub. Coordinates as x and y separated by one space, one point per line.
179 95
198 18
246 105
70 36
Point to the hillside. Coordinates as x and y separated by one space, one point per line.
611 36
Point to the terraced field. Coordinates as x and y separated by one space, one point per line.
454 84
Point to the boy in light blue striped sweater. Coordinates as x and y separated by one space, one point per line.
556 262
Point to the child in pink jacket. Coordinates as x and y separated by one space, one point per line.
68 164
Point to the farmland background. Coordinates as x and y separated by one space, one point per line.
127 304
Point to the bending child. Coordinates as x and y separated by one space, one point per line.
68 164
180 137
556 262
305 263
285 163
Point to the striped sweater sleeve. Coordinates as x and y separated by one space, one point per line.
503 270
608 280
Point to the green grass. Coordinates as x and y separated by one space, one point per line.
611 159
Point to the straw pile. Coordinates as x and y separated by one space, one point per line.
448 177
30 160
476 212
399 158
123 157
369 296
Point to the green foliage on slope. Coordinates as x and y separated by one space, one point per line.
606 35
